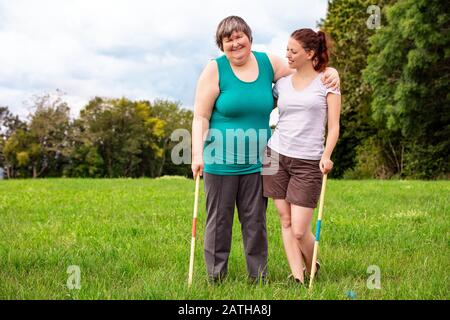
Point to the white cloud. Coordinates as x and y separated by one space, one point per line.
137 49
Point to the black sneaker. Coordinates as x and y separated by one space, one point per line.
292 278
213 280
317 268
308 276
258 280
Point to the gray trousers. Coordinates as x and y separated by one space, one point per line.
223 193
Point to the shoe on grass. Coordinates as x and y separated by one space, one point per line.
292 278
217 279
258 280
308 276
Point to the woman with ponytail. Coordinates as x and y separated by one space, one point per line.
296 149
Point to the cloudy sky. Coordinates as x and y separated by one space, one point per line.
136 49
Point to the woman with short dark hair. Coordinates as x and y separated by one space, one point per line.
229 133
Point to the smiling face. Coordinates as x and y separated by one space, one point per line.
237 47
297 56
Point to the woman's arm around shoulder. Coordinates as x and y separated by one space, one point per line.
280 67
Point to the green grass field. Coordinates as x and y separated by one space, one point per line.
131 240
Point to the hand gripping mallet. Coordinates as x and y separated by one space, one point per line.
194 229
319 221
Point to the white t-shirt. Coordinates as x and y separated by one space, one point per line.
300 132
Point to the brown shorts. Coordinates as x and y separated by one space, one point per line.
298 181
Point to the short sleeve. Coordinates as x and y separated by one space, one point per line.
331 90
328 90
275 90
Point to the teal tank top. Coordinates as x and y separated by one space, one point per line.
239 124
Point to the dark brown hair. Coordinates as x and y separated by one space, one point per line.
230 24
317 42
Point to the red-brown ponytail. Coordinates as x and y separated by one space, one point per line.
317 42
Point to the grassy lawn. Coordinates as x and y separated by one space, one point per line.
131 240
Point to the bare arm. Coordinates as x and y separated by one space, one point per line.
280 67
334 110
205 97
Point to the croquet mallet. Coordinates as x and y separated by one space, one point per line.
319 221
194 229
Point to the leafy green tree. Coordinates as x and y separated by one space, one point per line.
346 24
85 159
22 154
38 147
175 118
49 128
409 70
9 123
123 133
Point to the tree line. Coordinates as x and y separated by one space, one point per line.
110 138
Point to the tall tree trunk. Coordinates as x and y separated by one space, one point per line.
109 165
163 160
40 172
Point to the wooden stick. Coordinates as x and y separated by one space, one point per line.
194 230
319 221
